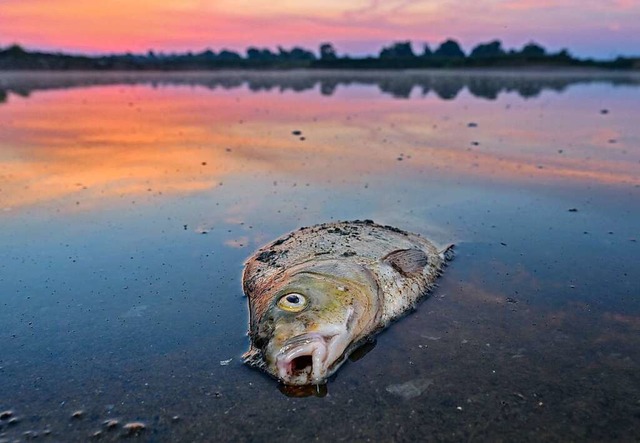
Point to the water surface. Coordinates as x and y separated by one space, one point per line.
129 202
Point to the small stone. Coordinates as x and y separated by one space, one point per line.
6 414
111 424
134 428
78 414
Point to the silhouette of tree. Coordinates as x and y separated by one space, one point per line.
426 51
450 49
490 49
226 55
532 49
327 52
15 50
398 50
296 53
258 54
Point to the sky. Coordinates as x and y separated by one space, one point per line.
588 28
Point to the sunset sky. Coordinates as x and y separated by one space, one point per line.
597 28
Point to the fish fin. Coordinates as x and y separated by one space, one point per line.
448 252
253 357
407 261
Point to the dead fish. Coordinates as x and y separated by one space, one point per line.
317 294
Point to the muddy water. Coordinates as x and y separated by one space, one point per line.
129 202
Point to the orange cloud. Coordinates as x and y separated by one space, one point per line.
361 26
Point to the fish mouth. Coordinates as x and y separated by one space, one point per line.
302 360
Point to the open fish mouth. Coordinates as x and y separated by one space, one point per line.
303 359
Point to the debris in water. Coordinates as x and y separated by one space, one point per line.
573 210
6 414
411 389
111 424
296 132
134 428
604 111
77 414
472 125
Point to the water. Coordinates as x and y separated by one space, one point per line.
129 202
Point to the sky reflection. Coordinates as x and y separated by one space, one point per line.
125 140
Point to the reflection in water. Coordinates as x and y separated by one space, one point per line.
445 84
128 139
127 211
303 391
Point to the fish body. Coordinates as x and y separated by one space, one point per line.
318 293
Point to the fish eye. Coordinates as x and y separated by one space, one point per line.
292 302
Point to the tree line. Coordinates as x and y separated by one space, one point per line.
398 55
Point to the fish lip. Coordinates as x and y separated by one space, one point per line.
312 344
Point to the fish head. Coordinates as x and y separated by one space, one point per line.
311 323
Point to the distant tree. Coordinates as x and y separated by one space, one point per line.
260 54
15 49
449 49
327 52
302 54
532 49
207 54
426 50
295 54
398 50
226 55
490 49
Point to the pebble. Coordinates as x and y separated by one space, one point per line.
133 428
111 424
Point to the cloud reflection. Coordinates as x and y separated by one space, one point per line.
122 138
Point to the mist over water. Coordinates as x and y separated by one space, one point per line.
129 203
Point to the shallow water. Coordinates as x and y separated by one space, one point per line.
129 202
